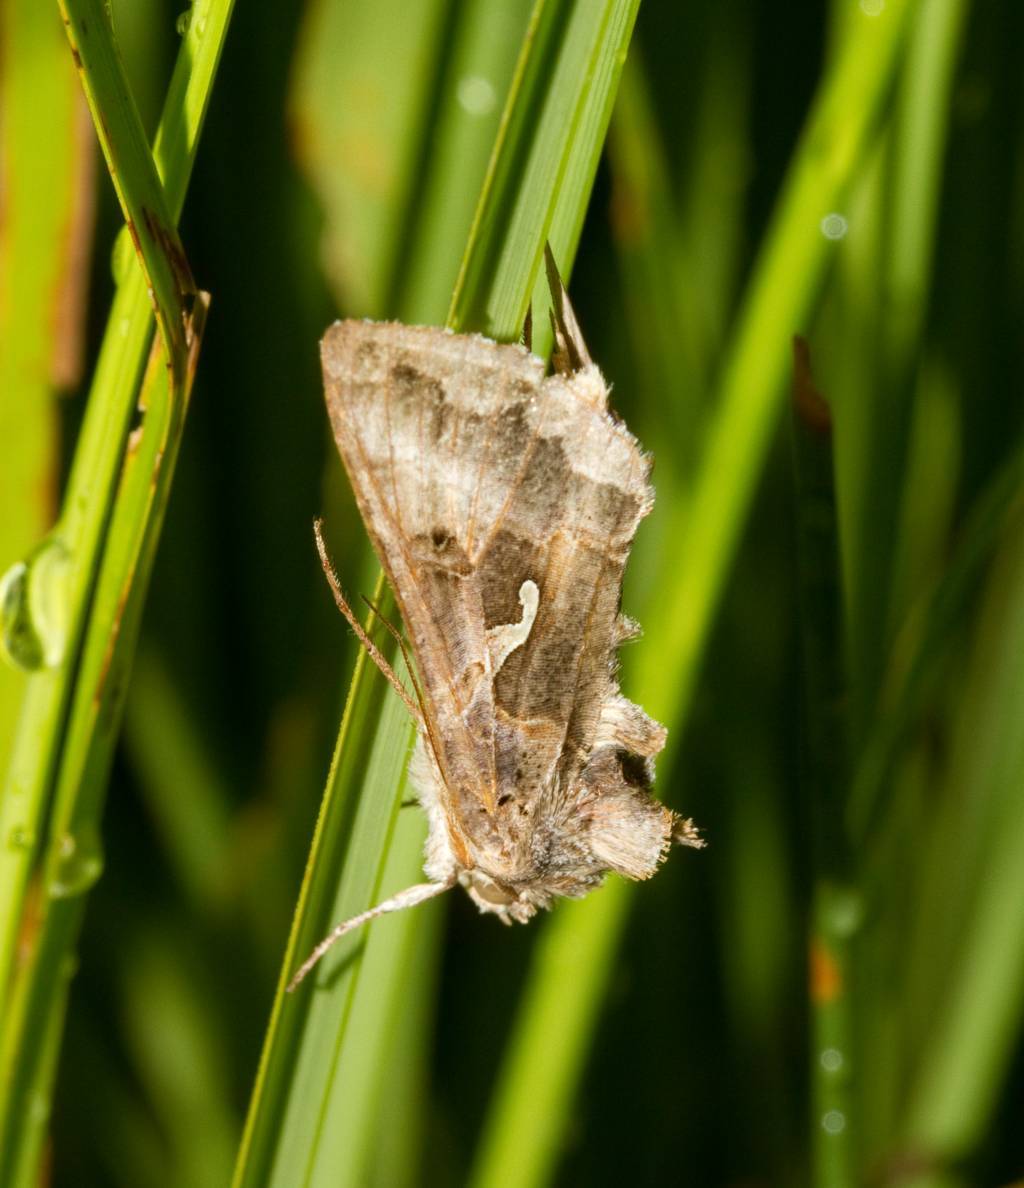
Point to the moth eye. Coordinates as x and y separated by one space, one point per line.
440 538
504 798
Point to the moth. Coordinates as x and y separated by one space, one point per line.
502 504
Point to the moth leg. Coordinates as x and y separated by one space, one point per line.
373 651
408 898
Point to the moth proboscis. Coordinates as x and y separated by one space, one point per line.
502 504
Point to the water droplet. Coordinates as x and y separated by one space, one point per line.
79 865
831 1060
201 26
476 95
834 226
833 1122
33 608
38 1109
182 23
845 912
21 837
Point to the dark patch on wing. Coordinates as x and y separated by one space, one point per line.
510 559
420 397
541 496
368 356
603 509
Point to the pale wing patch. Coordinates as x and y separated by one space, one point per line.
506 637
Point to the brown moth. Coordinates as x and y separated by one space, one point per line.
502 504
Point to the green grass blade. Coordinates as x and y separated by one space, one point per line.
479 69
557 1016
96 562
296 1088
835 905
73 860
300 1064
44 159
977 861
152 226
779 297
538 184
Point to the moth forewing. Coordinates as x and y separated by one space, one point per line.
502 505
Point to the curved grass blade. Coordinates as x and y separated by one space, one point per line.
134 174
326 1078
548 1058
295 1083
538 183
303 1078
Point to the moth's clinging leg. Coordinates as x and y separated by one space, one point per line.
408 898
373 651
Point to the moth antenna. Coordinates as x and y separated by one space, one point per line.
411 669
410 897
570 353
404 648
372 650
528 328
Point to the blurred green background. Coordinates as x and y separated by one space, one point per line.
832 992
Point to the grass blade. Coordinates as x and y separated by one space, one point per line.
320 1092
539 180
835 904
779 297
96 562
46 159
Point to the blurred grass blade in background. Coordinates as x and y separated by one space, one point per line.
779 295
835 904
47 154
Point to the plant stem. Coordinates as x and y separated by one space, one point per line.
834 911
